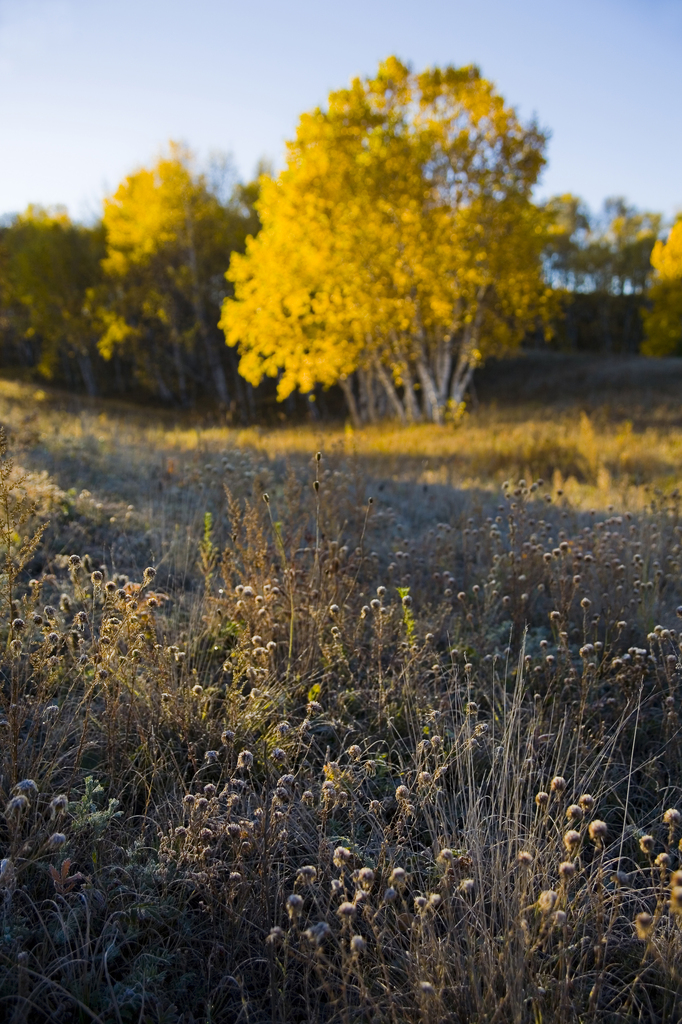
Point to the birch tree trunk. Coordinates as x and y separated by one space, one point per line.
433 408
411 404
467 359
87 373
346 384
392 395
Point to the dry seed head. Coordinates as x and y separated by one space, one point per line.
420 903
672 816
366 877
598 830
402 793
26 786
676 878
276 936
525 859
245 759
467 886
542 799
572 840
355 752
342 856
390 894
398 876
317 933
587 802
574 812
307 874
16 806
676 899
558 784
546 901
664 860
58 805
294 905
559 919
566 870
56 840
427 988
647 844
347 910
358 944
644 926
446 856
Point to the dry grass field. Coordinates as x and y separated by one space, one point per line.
390 734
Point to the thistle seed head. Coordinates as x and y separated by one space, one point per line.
644 926
572 840
647 844
546 901
598 831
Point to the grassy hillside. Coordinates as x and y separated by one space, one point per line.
390 734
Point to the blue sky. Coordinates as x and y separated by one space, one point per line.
91 89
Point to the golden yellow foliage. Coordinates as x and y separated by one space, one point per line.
166 233
51 269
663 323
399 244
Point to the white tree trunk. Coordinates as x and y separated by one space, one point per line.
433 408
347 388
392 395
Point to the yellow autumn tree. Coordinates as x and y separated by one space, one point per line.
399 246
663 322
169 237
49 273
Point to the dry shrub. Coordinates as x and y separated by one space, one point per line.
346 770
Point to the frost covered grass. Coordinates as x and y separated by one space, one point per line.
287 738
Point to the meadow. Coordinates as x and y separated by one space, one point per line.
314 724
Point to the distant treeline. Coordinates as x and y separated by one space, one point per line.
394 253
